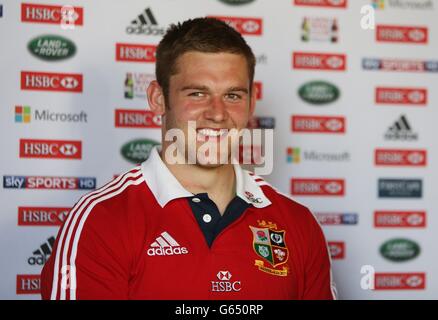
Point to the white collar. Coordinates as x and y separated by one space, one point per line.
166 187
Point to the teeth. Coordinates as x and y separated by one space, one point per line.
210 132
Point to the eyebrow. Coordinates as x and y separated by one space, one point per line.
205 88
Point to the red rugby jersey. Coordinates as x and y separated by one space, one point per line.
137 238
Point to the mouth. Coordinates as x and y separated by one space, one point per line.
211 134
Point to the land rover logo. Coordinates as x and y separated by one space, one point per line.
51 47
319 92
137 151
399 250
236 2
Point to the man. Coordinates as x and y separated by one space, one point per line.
175 229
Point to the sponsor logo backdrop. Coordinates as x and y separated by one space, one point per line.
353 113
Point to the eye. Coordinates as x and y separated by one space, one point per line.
196 94
233 96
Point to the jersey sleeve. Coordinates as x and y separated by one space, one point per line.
318 275
91 264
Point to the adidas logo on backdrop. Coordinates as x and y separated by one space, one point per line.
42 254
145 24
401 130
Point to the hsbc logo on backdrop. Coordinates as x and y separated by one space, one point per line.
135 52
50 183
37 13
400 281
50 149
394 157
385 33
136 119
319 61
28 284
408 96
42 216
246 26
47 81
318 124
259 88
400 219
318 187
322 3
337 250
400 65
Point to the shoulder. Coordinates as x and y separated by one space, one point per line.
105 202
290 209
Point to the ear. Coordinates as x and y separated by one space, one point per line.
252 102
156 98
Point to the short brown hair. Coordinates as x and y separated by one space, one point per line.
207 35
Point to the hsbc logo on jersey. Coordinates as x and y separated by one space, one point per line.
318 187
135 52
48 81
166 245
400 219
136 119
386 33
408 96
42 216
318 124
38 13
400 281
244 25
319 61
50 149
337 250
28 284
322 3
54 183
224 284
411 158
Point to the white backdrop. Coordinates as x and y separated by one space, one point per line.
90 146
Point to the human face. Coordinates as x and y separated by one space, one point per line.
212 89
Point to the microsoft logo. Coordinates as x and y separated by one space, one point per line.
22 114
378 4
293 155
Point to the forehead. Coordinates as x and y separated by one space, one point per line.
195 62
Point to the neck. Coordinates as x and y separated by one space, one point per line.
219 182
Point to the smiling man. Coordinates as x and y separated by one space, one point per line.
181 228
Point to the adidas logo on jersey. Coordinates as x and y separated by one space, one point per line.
165 245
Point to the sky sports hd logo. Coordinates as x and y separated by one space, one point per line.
337 219
49 183
50 149
399 65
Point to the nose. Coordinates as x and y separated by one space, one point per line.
217 110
